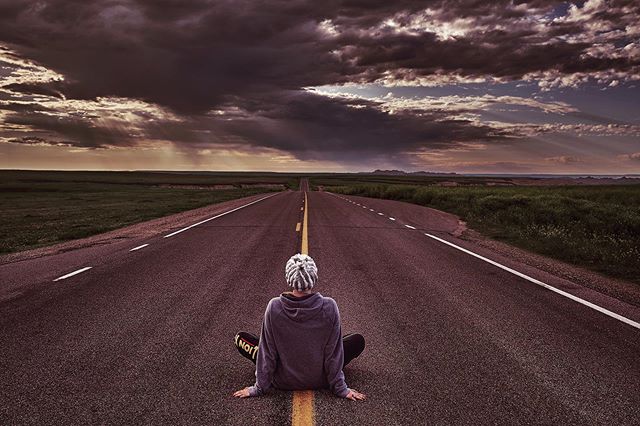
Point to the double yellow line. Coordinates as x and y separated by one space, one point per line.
302 408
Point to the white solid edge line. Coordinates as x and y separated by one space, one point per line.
540 283
586 303
217 216
139 247
86 268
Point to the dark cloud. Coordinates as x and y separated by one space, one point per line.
311 126
192 55
250 60
509 58
47 89
77 131
345 130
35 140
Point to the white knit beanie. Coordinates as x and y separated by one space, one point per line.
301 272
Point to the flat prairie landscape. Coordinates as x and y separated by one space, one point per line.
40 208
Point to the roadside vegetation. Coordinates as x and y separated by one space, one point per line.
320 180
43 208
597 227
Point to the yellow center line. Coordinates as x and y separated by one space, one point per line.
302 408
305 223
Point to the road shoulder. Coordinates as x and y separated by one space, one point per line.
136 231
450 225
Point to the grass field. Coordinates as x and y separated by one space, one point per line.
347 179
43 208
597 227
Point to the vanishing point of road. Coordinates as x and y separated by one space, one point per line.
140 331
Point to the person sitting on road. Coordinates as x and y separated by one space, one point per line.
301 344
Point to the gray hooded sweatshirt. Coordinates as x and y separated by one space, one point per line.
300 346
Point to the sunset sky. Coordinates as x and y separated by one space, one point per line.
287 85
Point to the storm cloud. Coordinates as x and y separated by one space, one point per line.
237 73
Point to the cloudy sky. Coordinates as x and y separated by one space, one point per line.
468 86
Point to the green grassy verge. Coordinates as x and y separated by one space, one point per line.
596 227
347 179
43 208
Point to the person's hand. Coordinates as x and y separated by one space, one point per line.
354 395
242 393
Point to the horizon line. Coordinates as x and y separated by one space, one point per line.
400 172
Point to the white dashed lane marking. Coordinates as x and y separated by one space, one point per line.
219 215
139 247
73 273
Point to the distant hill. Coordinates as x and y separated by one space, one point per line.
403 173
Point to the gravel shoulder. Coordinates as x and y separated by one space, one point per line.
622 290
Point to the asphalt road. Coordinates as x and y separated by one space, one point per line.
145 337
